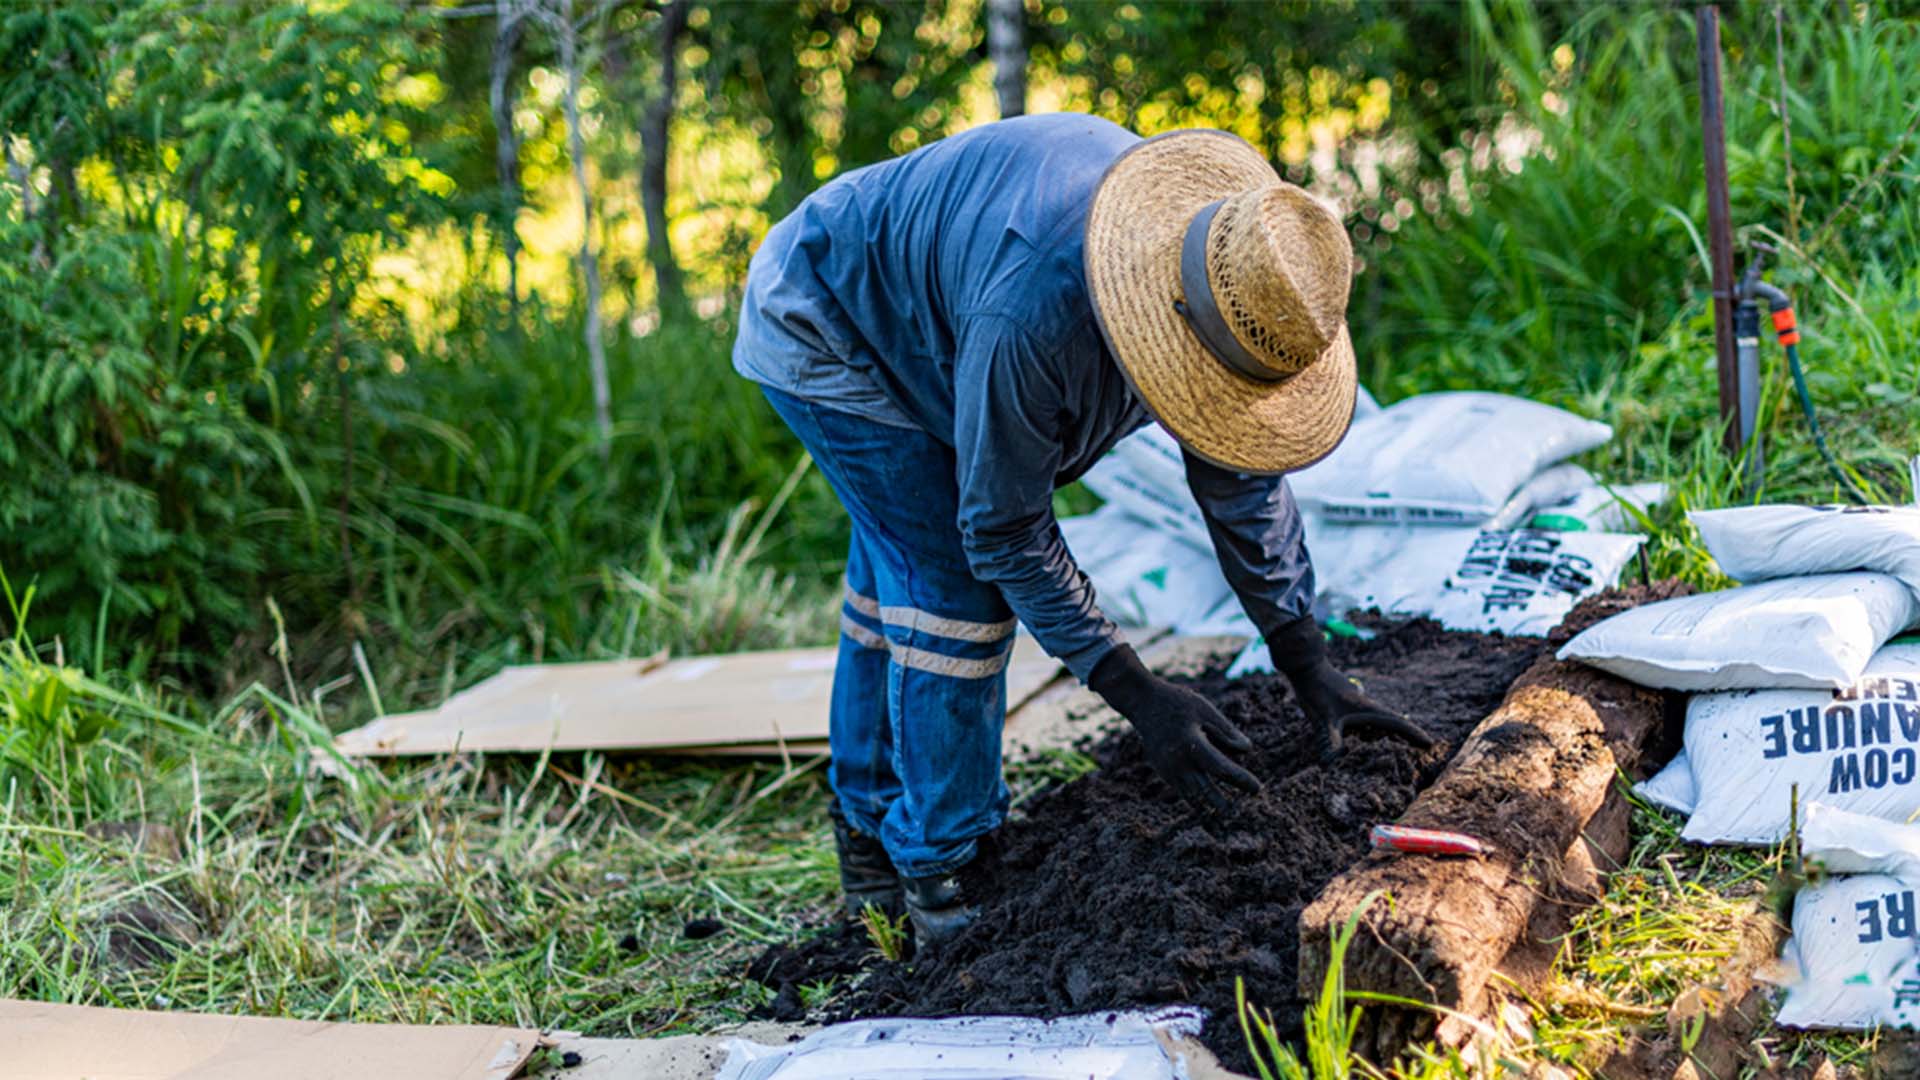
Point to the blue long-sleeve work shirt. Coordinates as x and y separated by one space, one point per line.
944 290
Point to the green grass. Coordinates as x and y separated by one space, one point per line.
1672 921
888 933
1330 1021
1578 275
548 892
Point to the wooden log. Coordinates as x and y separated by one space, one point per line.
1529 780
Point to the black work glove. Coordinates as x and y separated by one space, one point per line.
1178 727
1331 699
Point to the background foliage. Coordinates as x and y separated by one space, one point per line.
266 338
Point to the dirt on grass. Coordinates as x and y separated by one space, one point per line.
1107 893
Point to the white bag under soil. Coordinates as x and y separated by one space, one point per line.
1145 475
1109 1046
1856 749
1519 582
1443 459
1808 633
1854 958
1143 576
1523 582
1756 543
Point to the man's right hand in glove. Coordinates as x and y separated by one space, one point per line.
1181 730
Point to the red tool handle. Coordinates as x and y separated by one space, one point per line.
1413 841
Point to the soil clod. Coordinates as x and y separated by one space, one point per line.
701 929
141 935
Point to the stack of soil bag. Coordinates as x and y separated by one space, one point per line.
1459 506
1804 694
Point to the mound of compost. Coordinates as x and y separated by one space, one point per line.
1107 893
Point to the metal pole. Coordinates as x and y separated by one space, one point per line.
1713 132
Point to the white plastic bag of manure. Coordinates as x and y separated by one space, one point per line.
1807 633
1519 582
1672 788
1516 581
1555 485
1599 508
1854 958
1442 459
1142 576
1856 749
1756 543
1523 582
1108 1046
1842 842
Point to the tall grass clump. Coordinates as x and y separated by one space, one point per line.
1574 229
1330 1025
490 524
1565 258
1331 1022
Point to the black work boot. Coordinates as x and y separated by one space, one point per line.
938 907
867 877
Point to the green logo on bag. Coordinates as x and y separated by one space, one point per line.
1156 578
1557 523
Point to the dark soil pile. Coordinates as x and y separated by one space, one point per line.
1107 893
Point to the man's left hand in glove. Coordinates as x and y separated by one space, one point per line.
1332 700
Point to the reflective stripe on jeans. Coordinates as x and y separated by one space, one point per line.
915 620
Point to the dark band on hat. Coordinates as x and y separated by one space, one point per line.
1203 313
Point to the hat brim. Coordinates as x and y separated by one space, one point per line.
1135 227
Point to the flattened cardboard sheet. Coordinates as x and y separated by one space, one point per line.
39 1041
741 702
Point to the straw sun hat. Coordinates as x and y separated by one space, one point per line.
1222 292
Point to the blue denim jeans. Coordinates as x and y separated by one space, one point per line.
920 688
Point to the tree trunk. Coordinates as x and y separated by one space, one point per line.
509 23
589 259
670 290
792 136
23 177
1007 48
66 187
343 371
